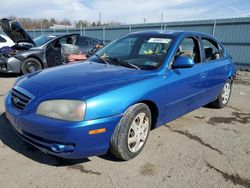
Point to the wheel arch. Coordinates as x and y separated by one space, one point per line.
37 58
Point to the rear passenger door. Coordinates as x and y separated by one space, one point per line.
217 66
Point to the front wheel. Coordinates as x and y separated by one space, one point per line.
224 96
30 65
132 132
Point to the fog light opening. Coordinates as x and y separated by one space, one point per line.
59 148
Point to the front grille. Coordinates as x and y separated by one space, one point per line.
19 100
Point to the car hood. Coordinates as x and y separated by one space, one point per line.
15 31
81 80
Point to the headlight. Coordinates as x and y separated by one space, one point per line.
69 110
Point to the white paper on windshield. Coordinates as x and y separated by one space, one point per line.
159 40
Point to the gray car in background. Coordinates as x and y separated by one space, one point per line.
29 55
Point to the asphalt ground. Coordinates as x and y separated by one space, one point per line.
205 148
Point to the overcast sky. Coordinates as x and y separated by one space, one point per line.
126 11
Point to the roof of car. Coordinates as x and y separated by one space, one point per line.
168 32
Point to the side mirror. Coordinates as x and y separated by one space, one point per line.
183 62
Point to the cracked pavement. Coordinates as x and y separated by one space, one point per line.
205 148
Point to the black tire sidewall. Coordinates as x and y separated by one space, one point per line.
119 141
30 60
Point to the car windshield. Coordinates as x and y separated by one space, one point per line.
39 41
135 51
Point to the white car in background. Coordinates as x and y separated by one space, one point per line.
5 41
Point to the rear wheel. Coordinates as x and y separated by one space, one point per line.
224 96
131 134
30 65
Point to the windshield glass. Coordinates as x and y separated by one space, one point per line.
135 51
39 41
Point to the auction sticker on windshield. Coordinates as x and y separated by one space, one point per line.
159 40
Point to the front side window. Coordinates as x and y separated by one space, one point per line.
189 47
213 51
67 40
141 52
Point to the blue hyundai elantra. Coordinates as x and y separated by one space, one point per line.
112 101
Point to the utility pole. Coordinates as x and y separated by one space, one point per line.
100 18
41 29
161 20
80 28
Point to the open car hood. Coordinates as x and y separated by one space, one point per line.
15 31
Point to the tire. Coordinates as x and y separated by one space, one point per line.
224 95
131 134
30 65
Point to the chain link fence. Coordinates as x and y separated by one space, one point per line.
233 33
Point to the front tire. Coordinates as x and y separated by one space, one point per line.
224 96
30 65
131 134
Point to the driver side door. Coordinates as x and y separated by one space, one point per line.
53 54
186 86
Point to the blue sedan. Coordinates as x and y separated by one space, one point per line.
112 101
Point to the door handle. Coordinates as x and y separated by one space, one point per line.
226 68
203 75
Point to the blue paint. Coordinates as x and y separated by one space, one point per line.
108 91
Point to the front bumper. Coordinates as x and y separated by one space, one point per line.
10 65
72 138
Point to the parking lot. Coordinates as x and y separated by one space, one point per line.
206 148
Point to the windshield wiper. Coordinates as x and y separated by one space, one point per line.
102 59
132 65
123 63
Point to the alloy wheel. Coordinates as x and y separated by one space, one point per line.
226 93
138 132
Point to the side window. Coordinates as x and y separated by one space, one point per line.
66 40
189 48
94 42
63 40
2 39
82 41
213 51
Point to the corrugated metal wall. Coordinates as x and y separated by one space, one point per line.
233 33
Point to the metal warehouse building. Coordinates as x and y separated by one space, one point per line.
234 33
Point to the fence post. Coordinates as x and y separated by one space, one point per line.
34 34
214 28
130 29
84 33
41 29
103 35
81 29
165 26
